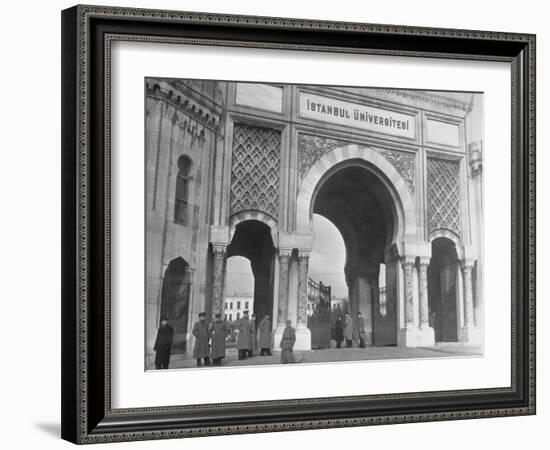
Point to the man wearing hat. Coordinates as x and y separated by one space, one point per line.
253 341
264 328
200 331
287 344
163 343
242 327
218 331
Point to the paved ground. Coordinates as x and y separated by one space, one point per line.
445 350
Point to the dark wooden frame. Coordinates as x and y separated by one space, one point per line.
87 32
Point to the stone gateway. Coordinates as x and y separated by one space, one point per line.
239 169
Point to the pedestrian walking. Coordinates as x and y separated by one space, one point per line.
218 332
200 350
163 343
264 328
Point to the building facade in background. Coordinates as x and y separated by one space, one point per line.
238 169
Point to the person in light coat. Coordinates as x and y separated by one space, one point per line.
348 330
287 344
264 328
242 328
218 332
253 340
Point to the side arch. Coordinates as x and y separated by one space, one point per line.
406 221
259 216
445 233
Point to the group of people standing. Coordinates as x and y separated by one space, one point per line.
343 330
210 339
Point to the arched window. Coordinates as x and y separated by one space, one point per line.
182 190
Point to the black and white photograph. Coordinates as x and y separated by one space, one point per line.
311 224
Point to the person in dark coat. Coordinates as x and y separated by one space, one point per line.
218 332
264 328
200 350
242 328
253 342
339 332
361 326
287 344
163 343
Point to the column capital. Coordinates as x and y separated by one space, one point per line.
408 260
219 250
285 253
424 260
303 255
467 264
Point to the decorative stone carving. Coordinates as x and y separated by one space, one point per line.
255 170
218 279
284 258
408 264
404 163
467 267
423 287
303 263
443 195
312 148
476 159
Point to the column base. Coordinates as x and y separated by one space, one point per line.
416 337
470 335
303 338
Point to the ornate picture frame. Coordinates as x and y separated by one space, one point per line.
88 33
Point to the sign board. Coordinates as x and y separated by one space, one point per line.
356 115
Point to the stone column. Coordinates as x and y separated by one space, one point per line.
468 294
303 263
408 264
426 335
218 278
282 300
284 259
423 288
469 333
303 335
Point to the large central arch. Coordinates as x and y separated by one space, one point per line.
406 227
366 198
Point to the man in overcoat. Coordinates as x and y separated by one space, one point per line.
287 344
242 327
348 330
264 328
218 332
253 341
361 326
163 343
200 350
339 331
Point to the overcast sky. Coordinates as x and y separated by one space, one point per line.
326 262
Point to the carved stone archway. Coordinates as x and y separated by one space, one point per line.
404 207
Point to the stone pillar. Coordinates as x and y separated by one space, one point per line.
218 278
408 336
282 301
408 265
427 334
469 333
303 335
